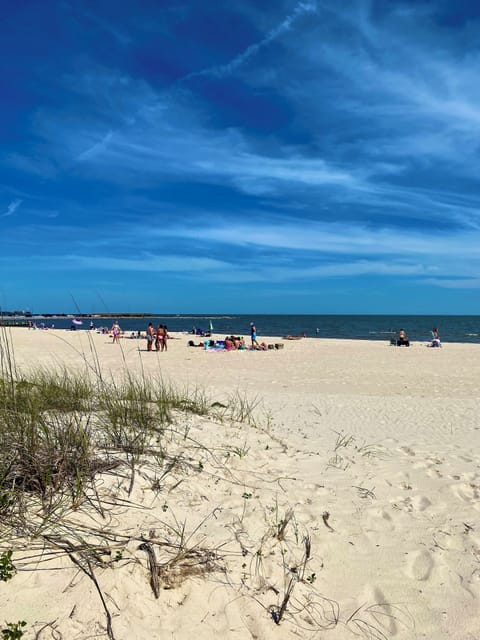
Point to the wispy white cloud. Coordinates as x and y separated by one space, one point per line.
174 143
12 207
448 283
119 34
220 71
341 238
256 251
145 263
96 148
400 75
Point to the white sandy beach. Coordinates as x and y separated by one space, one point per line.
370 452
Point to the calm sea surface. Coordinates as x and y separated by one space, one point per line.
378 327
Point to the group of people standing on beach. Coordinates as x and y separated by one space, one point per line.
157 337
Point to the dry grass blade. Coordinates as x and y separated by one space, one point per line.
84 564
283 524
152 566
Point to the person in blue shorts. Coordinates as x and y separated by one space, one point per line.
253 334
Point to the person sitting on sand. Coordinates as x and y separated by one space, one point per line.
402 340
435 338
229 344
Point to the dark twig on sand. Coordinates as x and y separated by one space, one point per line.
153 567
325 517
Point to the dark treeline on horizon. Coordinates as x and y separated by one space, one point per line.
29 314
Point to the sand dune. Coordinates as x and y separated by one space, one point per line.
355 493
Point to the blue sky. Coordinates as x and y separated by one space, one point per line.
236 156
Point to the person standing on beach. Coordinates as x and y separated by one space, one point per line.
115 332
161 336
253 334
150 336
165 338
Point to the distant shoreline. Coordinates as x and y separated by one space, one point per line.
53 316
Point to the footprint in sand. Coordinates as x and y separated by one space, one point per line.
420 503
466 492
379 614
408 451
414 503
471 477
420 565
434 473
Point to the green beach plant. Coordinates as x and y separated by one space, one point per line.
13 630
7 568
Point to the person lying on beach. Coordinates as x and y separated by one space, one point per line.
260 346
299 337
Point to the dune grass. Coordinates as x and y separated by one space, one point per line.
61 427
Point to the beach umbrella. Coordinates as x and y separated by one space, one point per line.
211 326
75 321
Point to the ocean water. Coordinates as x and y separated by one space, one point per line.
359 327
